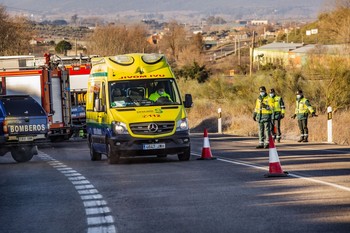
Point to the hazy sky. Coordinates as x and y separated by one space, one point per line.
236 8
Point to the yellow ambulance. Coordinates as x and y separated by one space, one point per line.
134 108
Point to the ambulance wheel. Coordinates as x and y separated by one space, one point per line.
113 156
95 156
22 154
185 156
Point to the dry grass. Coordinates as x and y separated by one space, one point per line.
237 118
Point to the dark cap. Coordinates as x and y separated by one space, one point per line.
299 92
272 90
262 88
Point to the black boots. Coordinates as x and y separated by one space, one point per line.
303 139
260 146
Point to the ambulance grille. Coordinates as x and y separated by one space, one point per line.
152 128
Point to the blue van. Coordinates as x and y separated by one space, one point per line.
23 124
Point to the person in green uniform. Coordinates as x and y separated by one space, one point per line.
302 110
278 115
263 115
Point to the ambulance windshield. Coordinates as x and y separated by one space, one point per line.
145 92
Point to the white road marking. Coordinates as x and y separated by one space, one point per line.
237 162
97 212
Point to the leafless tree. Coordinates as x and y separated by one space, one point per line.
118 39
174 40
15 34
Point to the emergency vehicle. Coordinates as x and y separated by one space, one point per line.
78 79
23 125
121 119
47 83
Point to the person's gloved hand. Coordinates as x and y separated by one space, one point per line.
254 118
282 116
313 114
293 116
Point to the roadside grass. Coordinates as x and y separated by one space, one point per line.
237 101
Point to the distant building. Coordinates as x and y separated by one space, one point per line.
293 54
259 22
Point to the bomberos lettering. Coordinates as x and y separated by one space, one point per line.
26 128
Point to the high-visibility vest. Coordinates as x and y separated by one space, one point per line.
264 105
303 106
278 104
154 96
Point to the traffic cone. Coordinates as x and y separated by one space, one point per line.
206 152
275 169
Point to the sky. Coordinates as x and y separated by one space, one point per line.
238 9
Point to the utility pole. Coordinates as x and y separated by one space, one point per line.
252 55
76 47
239 52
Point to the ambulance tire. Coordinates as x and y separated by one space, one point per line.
22 154
95 156
185 156
113 157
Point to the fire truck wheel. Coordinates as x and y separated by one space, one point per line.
22 154
95 156
113 156
185 156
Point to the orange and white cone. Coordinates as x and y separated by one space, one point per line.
275 169
206 152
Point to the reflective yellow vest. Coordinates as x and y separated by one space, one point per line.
303 107
264 105
278 104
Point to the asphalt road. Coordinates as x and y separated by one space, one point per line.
61 190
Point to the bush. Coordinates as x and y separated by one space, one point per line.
193 72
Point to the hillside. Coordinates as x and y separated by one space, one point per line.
167 9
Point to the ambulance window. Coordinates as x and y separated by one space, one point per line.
103 95
97 97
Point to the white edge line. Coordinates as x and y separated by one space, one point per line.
289 174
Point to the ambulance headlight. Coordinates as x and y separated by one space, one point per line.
120 128
182 125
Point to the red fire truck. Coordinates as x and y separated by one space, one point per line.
48 84
78 78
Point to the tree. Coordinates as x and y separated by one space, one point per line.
174 40
192 51
15 34
334 25
118 39
63 46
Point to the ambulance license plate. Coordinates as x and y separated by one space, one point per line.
25 139
155 146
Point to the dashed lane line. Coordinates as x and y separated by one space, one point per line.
98 214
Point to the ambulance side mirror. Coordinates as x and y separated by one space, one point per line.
188 103
98 106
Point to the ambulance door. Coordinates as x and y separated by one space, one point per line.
96 111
